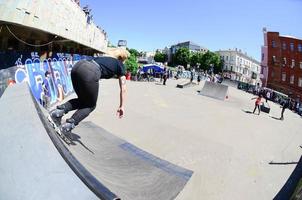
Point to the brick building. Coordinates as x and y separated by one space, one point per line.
282 63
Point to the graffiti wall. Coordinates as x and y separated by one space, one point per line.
31 67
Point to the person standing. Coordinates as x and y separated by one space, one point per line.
85 76
192 76
198 78
165 76
284 106
46 91
257 103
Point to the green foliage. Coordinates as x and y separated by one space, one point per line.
211 59
196 58
134 52
182 57
131 64
160 57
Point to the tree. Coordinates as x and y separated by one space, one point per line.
134 52
196 58
160 57
131 64
182 57
210 59
216 61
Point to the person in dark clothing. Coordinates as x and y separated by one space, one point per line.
85 76
198 78
284 106
165 76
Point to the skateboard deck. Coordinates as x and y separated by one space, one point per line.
65 138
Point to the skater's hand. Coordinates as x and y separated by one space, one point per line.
120 112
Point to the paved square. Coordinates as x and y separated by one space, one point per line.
228 149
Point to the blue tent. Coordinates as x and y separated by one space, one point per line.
154 68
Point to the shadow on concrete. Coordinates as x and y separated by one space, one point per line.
276 118
248 112
283 163
75 138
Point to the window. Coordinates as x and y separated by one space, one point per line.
292 79
284 61
299 47
274 43
293 63
227 58
283 77
272 74
283 45
273 59
300 82
292 46
300 65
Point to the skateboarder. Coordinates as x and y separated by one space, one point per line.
284 106
85 76
257 103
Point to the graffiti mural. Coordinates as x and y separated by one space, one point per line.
31 68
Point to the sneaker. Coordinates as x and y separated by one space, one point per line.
56 116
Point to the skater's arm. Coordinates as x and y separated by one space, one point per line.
122 83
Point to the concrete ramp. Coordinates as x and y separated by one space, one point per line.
36 164
214 90
127 170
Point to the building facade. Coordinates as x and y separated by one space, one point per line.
282 63
170 51
240 67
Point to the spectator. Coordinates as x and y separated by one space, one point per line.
165 76
192 76
285 105
198 78
297 106
46 91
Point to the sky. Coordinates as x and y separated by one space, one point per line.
214 24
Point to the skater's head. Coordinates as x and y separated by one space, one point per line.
118 53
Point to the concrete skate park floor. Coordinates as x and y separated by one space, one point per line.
228 149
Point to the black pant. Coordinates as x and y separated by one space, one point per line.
85 76
257 106
165 79
282 112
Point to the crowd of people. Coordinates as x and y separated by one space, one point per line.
167 73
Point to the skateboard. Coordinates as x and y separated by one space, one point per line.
65 138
